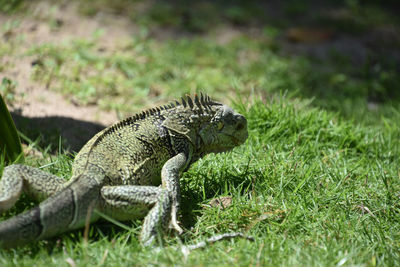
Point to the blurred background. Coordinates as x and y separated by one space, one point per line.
68 65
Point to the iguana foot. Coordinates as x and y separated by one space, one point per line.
173 224
176 227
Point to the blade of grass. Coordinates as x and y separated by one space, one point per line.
9 139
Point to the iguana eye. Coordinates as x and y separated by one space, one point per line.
220 125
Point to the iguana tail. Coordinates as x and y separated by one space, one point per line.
66 210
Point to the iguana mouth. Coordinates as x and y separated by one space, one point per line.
237 141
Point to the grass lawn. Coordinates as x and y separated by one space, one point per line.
317 183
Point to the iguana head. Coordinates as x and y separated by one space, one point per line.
226 130
210 126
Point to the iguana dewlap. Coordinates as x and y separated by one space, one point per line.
129 170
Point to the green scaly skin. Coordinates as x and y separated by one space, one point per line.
127 171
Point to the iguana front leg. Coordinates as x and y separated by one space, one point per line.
128 201
170 179
165 210
20 178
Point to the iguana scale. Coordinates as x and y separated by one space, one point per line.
129 170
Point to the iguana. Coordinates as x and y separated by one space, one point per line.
129 170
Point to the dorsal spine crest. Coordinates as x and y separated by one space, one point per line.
203 102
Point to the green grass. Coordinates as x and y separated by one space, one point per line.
143 71
317 183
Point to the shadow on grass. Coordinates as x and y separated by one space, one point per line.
54 131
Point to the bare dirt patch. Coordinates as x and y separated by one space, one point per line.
49 23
